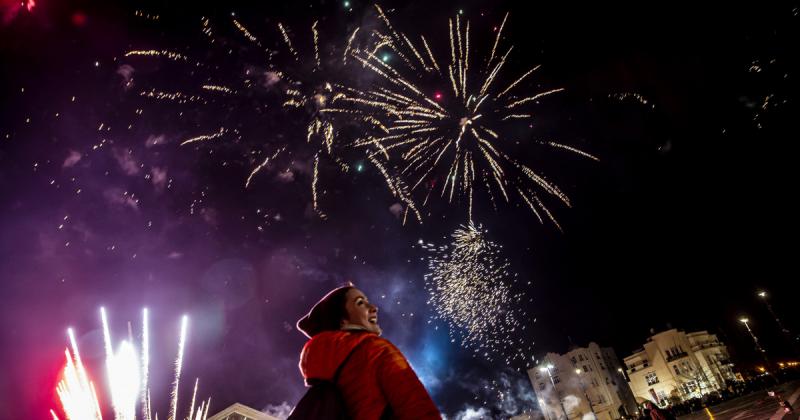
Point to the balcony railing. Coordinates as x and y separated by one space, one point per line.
677 356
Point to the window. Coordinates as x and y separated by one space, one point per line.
677 369
541 386
572 359
662 397
651 378
602 367
556 380
580 357
608 381
585 369
691 386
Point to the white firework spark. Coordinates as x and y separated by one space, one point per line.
471 288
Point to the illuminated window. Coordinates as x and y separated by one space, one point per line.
651 378
662 397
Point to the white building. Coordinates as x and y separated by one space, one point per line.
581 382
674 365
241 412
531 415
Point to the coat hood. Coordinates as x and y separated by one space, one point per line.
326 351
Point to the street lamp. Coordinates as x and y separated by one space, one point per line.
745 321
622 373
547 369
585 394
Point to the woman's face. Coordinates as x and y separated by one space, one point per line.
360 312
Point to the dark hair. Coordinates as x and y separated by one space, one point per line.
327 314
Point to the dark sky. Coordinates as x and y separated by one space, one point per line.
687 214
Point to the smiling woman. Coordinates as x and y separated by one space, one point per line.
373 378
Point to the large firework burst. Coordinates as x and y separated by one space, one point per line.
456 139
471 288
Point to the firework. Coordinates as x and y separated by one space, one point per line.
127 375
461 142
75 391
173 408
311 89
145 365
470 287
123 377
300 69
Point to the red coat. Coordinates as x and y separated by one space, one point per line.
376 375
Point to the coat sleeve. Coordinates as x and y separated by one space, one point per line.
406 395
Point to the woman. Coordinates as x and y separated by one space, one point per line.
657 413
376 381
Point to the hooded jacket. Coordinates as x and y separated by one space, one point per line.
376 376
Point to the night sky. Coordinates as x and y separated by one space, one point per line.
692 111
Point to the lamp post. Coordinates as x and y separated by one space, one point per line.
547 368
622 373
745 321
585 394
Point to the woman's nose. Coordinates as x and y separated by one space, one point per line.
373 308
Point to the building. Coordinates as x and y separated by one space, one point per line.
582 381
531 415
676 366
241 412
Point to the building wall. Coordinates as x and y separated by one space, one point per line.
679 366
532 415
600 382
238 411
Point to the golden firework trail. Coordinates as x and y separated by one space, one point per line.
158 53
205 137
456 143
262 165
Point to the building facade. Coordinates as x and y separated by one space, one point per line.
676 366
239 411
583 381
